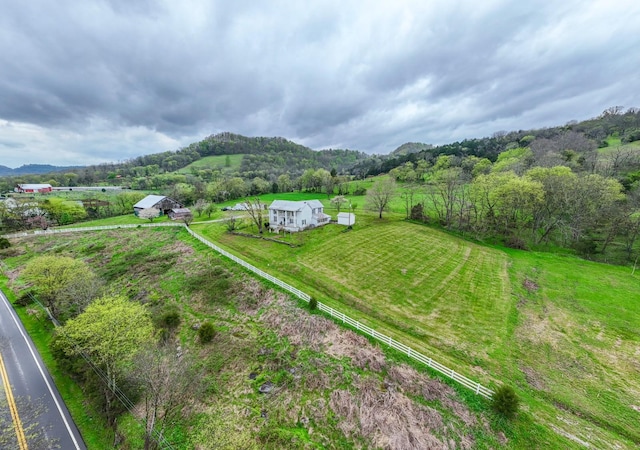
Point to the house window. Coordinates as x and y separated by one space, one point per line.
304 222
290 221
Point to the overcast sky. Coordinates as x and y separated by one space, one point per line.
84 82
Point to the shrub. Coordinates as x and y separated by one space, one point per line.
505 402
516 242
25 299
4 242
359 191
171 318
206 332
313 303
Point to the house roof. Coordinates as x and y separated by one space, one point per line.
181 210
344 215
288 205
149 201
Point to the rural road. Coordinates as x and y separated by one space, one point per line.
35 415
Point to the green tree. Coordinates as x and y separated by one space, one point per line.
505 402
63 211
284 183
110 332
210 209
65 285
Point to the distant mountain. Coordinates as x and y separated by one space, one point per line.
34 169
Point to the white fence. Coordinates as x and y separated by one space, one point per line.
476 387
103 227
429 362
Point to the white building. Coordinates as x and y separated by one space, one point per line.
346 218
296 216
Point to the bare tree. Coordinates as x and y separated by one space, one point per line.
200 206
169 384
338 201
256 210
187 219
409 195
380 195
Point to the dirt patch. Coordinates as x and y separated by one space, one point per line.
388 418
410 380
533 378
345 343
530 285
297 325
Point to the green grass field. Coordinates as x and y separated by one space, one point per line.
564 331
616 145
214 162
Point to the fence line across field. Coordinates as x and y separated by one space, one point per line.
414 354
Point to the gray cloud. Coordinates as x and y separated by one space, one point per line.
109 80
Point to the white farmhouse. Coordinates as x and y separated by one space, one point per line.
296 216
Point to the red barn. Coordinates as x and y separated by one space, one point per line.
33 188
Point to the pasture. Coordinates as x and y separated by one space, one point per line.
214 162
564 331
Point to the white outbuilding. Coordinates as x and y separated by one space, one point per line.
346 218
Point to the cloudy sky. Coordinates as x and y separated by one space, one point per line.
84 82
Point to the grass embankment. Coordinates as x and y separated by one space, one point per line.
332 388
565 331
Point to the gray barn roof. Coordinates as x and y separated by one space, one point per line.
149 201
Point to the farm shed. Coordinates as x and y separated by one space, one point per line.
160 202
346 218
179 213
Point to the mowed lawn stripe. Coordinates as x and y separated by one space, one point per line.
448 292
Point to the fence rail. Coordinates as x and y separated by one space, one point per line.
429 362
411 353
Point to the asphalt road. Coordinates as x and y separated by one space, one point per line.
33 400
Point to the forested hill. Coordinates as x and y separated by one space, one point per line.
270 157
264 157
576 141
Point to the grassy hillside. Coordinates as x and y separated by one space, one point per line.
564 330
615 145
332 388
214 162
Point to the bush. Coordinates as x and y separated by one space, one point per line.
206 332
505 402
516 242
4 242
171 318
313 303
25 299
359 191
